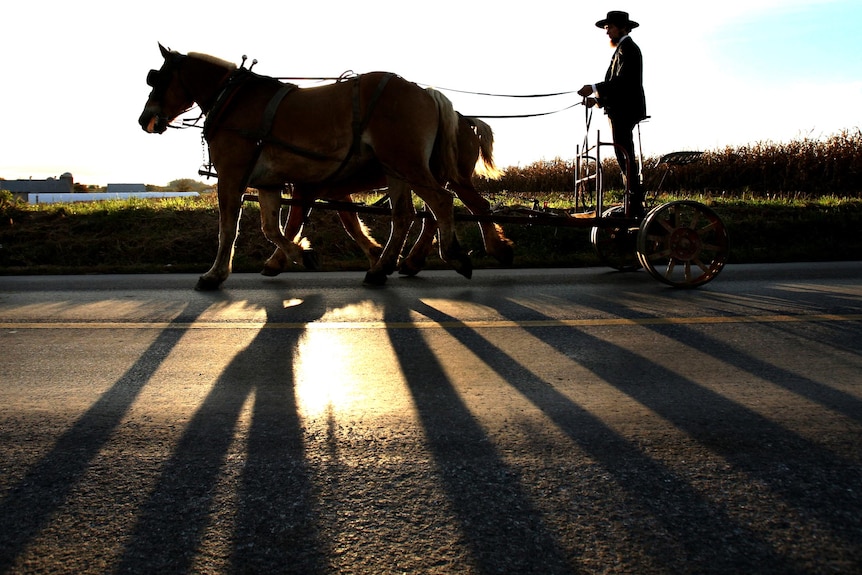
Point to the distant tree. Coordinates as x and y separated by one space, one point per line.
187 185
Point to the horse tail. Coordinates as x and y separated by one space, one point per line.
446 145
485 165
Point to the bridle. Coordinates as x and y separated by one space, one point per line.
160 81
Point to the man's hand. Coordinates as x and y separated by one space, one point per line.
587 90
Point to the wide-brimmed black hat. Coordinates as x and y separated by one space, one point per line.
618 18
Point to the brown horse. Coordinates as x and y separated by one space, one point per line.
263 133
475 154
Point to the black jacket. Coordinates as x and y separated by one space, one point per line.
622 92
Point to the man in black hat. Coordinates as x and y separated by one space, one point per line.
622 97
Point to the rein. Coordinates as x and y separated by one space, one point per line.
225 95
535 115
349 74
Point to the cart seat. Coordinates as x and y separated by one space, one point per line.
679 158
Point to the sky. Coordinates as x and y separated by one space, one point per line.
717 74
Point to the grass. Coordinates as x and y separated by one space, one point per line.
180 235
780 202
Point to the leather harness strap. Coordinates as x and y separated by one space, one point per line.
266 126
360 125
263 135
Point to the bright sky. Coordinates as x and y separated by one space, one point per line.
716 74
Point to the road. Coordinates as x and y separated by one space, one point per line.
525 421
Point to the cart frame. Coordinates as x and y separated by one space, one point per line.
682 243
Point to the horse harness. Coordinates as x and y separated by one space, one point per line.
263 135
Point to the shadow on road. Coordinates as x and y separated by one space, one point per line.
31 504
503 529
661 505
245 479
274 528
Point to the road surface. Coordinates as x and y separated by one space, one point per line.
526 421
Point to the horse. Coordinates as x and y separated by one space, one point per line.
262 133
475 155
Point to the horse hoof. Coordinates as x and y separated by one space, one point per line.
464 267
270 271
207 284
311 260
411 266
506 256
408 270
374 279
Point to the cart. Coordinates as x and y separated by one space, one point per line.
683 243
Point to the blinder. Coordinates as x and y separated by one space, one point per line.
153 78
160 80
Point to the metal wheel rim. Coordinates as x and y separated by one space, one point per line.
683 244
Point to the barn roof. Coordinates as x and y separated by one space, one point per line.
49 186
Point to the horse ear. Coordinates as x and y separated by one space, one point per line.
165 52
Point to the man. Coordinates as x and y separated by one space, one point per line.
622 97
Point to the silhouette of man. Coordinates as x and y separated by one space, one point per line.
622 97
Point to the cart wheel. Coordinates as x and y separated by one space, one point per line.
683 244
616 246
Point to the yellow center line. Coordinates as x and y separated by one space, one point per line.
428 324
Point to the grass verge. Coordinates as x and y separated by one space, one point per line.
180 235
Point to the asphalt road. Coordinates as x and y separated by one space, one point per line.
547 421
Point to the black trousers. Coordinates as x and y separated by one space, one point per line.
622 131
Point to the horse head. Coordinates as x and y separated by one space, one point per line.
168 97
181 82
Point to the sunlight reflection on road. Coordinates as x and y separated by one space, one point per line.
339 371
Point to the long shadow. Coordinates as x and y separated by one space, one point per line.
274 526
503 529
654 490
823 394
807 476
844 337
802 472
803 300
33 501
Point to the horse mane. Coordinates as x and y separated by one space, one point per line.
212 60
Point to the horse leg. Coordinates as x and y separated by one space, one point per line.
278 262
496 243
296 218
403 215
423 155
415 260
440 202
270 210
359 233
229 209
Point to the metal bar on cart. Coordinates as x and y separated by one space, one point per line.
531 217
600 181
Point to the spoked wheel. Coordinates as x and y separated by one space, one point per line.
616 246
683 244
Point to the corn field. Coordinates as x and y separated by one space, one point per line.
802 168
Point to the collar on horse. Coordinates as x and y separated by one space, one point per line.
263 135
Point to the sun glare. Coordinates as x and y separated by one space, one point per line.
341 366
323 379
